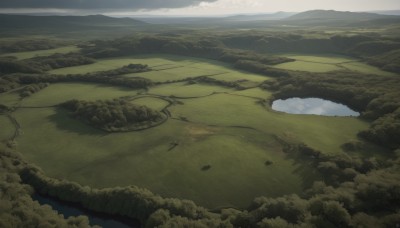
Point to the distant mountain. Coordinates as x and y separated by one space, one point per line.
387 12
259 17
337 15
25 21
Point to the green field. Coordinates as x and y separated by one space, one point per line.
90 157
326 63
7 128
326 134
61 92
167 68
10 98
211 125
31 54
151 102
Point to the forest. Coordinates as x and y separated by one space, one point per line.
169 102
113 116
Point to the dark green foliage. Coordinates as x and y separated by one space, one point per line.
202 47
260 68
385 130
33 88
291 208
17 209
59 61
206 167
114 115
111 77
7 83
330 213
268 163
31 44
389 61
372 48
131 201
10 65
43 63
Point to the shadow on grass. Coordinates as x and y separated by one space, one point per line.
65 122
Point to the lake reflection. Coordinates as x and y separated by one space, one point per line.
314 106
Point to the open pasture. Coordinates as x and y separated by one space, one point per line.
7 128
61 92
91 157
326 63
167 68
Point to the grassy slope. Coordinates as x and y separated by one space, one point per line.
323 133
61 92
151 102
7 128
31 54
181 89
104 160
325 63
9 98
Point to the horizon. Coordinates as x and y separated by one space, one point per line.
188 8
149 15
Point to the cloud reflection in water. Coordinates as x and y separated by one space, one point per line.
314 106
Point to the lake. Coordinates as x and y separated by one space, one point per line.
312 106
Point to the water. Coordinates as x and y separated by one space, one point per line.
99 219
315 106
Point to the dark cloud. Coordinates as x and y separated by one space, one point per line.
100 4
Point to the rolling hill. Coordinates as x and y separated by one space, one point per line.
24 21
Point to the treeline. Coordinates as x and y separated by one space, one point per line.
213 81
10 65
114 115
132 202
43 63
111 77
59 61
375 49
31 44
195 47
376 97
33 88
17 209
233 47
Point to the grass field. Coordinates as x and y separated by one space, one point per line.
31 54
7 128
237 157
229 131
9 98
326 134
60 92
167 68
326 63
181 89
151 102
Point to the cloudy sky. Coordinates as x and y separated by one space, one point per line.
189 7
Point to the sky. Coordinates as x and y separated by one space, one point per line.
188 7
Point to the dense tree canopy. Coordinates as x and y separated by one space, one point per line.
114 115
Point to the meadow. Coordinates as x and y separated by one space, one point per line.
328 62
226 129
